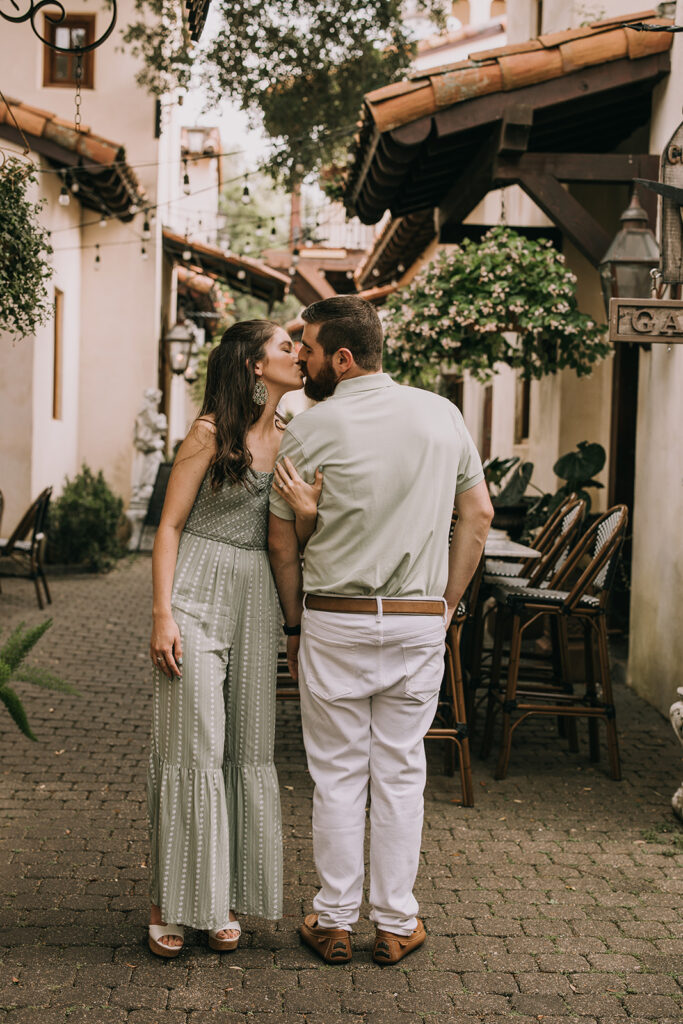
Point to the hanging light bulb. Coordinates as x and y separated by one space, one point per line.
103 221
295 257
375 272
152 214
273 232
349 275
246 198
259 228
187 254
97 257
146 233
133 208
246 247
144 253
241 274
186 180
75 187
64 197
291 271
400 268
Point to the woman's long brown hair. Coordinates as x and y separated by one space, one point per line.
228 397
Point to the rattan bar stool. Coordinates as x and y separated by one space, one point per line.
584 602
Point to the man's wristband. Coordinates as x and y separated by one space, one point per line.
291 630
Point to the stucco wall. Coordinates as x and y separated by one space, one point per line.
656 642
37 451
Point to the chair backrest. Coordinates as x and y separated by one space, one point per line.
602 543
566 532
32 521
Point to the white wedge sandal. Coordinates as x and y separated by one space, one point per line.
161 931
225 945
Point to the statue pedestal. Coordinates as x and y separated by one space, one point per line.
676 716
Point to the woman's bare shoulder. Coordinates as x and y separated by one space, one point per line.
206 421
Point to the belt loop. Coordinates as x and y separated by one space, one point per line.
378 616
445 611
304 602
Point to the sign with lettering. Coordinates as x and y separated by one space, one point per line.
658 320
671 174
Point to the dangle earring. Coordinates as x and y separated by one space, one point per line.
260 393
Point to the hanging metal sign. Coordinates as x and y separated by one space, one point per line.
649 320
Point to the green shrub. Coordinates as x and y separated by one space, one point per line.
83 523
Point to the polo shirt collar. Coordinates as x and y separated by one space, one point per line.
366 382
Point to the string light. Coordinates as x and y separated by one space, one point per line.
241 274
246 198
97 257
186 180
75 187
103 221
259 228
273 232
144 253
133 208
246 247
64 197
146 233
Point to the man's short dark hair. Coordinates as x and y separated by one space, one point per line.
347 321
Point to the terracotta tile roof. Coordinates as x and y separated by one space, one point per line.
585 91
99 165
241 273
512 67
401 241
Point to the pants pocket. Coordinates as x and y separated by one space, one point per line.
424 665
328 666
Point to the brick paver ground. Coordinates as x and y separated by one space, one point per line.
556 899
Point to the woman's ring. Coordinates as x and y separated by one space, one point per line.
159 659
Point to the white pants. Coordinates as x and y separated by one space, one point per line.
369 687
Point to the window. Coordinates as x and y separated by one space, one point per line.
57 356
60 68
522 409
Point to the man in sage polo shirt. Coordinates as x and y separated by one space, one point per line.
378 590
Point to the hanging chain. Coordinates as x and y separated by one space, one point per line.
79 76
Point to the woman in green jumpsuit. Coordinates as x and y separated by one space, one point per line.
213 798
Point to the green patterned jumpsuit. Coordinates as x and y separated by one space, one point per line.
213 797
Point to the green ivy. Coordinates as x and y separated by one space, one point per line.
506 299
24 252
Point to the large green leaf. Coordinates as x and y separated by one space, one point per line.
580 466
20 642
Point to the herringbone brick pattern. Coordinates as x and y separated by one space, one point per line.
556 899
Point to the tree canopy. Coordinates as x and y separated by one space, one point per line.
299 67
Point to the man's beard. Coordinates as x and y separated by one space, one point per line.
321 387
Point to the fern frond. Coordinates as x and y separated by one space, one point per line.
41 677
20 642
16 710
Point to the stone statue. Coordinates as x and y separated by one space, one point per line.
150 444
150 441
676 716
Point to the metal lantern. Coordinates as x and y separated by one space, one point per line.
625 267
178 344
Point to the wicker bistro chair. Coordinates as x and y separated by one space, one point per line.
565 522
584 602
21 554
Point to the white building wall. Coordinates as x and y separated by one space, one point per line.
37 451
111 345
656 641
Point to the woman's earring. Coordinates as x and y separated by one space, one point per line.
260 394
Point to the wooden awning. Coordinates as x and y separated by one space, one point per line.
547 111
105 181
240 273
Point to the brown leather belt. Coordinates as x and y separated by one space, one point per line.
370 605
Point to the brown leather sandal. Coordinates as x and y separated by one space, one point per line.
332 944
390 948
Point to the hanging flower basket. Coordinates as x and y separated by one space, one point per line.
24 252
506 299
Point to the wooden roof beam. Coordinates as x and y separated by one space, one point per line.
567 213
613 168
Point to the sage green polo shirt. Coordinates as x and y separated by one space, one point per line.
393 459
